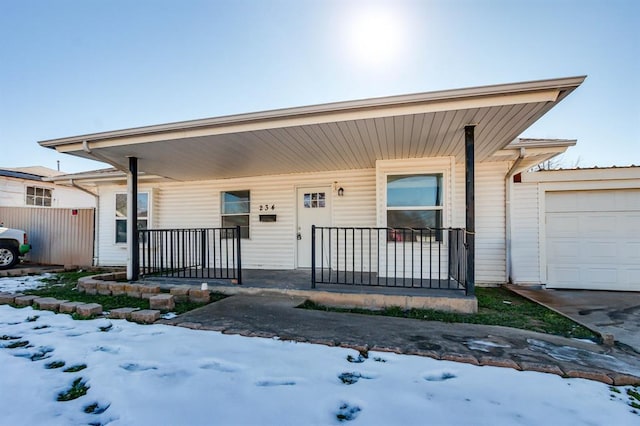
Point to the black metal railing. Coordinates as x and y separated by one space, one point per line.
392 257
191 253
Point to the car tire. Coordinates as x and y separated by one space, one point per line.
8 255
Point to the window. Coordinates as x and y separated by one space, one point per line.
38 196
235 211
314 200
121 215
414 201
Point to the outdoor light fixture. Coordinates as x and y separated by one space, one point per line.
340 192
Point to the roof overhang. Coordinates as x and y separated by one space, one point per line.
531 152
337 136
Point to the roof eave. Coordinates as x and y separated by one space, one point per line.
563 85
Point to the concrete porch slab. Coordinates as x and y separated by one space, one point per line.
297 283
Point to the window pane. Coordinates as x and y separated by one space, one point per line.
414 218
31 190
46 201
121 230
121 205
233 221
414 190
234 202
143 204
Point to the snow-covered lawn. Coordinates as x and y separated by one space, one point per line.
18 284
164 375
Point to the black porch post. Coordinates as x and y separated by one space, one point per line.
132 221
470 222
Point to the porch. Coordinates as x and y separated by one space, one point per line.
296 283
268 157
351 267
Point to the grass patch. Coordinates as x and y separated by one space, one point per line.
54 364
182 307
78 388
62 286
19 344
6 337
496 306
75 368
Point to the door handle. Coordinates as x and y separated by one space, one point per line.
299 236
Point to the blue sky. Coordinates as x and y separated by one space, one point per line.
69 67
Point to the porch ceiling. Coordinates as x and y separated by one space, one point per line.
346 135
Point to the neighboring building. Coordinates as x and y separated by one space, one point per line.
58 217
28 187
577 228
397 162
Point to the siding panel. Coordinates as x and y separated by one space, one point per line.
525 251
271 245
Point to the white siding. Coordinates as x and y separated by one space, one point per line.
490 218
271 245
108 253
13 194
490 222
525 250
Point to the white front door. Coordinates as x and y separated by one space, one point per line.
314 208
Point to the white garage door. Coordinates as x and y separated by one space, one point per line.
593 239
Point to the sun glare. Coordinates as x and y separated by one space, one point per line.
376 37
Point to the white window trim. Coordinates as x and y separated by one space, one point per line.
116 219
445 166
248 214
26 196
417 208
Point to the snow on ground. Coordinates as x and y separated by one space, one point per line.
164 375
18 284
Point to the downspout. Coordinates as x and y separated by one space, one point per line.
507 208
96 228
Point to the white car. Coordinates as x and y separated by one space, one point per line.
13 244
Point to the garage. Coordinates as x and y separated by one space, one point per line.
593 239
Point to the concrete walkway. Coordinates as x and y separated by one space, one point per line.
268 315
613 314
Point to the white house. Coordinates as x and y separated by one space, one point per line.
577 228
27 187
58 218
385 178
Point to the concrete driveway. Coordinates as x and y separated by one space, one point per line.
613 313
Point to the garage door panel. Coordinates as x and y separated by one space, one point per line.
600 275
564 249
594 225
593 239
611 200
631 253
593 251
562 224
